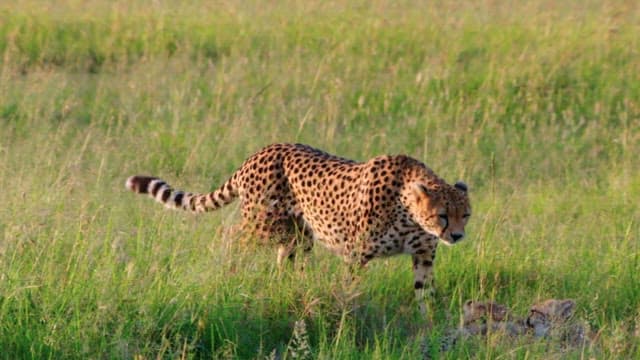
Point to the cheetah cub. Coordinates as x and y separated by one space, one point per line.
482 318
549 319
554 319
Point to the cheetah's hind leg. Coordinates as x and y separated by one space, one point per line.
296 236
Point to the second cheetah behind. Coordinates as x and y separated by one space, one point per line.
359 210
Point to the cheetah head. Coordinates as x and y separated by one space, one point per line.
441 209
548 314
474 311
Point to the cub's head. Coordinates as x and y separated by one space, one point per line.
548 314
441 209
474 311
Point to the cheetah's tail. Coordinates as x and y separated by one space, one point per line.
176 199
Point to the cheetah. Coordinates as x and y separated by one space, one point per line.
483 318
480 318
549 319
358 210
554 319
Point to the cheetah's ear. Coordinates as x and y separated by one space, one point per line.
422 194
461 185
421 190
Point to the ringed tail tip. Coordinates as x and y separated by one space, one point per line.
130 183
139 183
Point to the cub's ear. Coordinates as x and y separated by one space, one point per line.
566 308
461 185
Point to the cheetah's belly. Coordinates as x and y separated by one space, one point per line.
330 238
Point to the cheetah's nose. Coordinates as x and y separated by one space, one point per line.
456 236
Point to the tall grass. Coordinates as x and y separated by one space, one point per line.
535 104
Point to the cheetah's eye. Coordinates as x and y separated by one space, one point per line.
443 217
466 216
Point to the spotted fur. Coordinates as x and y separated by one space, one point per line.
554 319
359 210
482 318
548 319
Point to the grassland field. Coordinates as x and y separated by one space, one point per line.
535 104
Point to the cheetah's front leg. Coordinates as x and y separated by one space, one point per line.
423 281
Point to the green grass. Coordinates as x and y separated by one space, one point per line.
535 104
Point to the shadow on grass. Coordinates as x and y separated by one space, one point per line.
365 318
341 320
376 316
